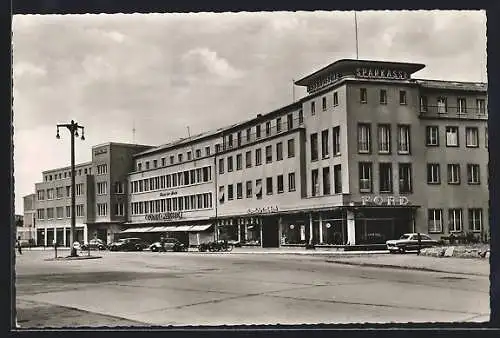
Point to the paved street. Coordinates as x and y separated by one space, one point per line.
227 289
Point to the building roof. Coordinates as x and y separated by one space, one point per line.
351 64
453 85
77 165
130 145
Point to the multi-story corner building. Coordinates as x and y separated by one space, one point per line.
27 231
101 196
368 154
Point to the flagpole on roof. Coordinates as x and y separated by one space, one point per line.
356 29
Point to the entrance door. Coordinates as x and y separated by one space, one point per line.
270 233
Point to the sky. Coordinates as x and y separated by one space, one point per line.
161 73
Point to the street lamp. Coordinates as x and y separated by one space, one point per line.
73 129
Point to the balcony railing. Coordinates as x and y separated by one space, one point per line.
453 112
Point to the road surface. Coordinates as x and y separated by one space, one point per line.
149 288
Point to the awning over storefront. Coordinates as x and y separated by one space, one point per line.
196 228
136 230
180 228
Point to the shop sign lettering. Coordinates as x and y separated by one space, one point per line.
100 151
389 200
382 73
168 193
264 210
324 81
164 216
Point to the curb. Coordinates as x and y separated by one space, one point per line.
401 267
69 258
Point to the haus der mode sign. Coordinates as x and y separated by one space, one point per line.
164 216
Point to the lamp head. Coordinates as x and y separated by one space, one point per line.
57 135
76 133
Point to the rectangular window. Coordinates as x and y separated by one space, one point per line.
313 108
442 105
198 153
80 211
102 209
155 163
433 173
269 185
278 125
50 194
268 128
423 104
481 106
280 184
335 99
40 195
452 136
120 209
238 139
453 173
455 220
189 156
291 182
471 137
249 189
239 161
59 192
384 138
323 105
404 139
301 117
59 212
68 191
258 188
179 157
385 177
473 175
279 151
230 192
291 148
163 161
217 148
171 159
289 121
435 221
249 134
364 136
461 105
269 154
68 211
239 190
363 95
248 159
40 213
257 131
229 164
103 169
383 96
139 166
207 151
325 151
326 181
314 182
258 156
405 178
432 136
365 177
336 141
221 194
221 166
102 188
230 140
402 97
50 213
475 219
337 176
314 147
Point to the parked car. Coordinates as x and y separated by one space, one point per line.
171 244
94 244
410 242
128 244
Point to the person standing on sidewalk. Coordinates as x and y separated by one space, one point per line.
18 244
162 243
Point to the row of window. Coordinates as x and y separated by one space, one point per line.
384 138
326 179
60 192
181 203
66 174
179 179
385 177
258 188
324 101
455 220
461 108
325 143
452 136
59 212
258 156
434 173
229 141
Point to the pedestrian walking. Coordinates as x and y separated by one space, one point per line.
18 244
162 243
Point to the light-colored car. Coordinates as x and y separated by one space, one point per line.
410 242
171 244
94 244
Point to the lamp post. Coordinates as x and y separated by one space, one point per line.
73 129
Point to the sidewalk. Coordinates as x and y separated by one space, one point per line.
479 267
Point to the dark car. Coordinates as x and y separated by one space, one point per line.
94 244
128 244
171 244
410 242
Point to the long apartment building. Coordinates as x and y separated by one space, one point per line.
368 154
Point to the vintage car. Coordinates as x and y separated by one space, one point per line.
128 244
94 244
409 242
171 244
